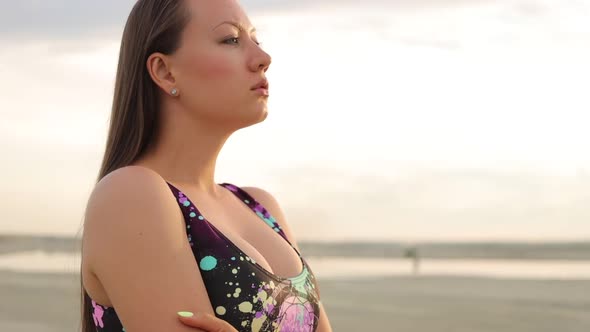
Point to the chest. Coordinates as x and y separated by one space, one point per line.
238 227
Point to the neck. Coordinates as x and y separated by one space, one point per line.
185 152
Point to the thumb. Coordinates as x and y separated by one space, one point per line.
205 322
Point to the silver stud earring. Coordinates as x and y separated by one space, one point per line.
174 92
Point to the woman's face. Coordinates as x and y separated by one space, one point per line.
218 64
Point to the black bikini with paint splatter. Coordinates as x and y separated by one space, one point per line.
241 291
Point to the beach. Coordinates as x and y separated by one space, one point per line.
368 287
430 156
49 302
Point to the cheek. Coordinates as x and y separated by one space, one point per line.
216 84
211 68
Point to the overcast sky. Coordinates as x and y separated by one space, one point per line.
485 99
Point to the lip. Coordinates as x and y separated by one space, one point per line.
261 91
261 84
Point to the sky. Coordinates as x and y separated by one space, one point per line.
434 120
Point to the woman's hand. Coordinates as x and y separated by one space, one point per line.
205 322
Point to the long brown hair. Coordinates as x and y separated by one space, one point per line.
152 26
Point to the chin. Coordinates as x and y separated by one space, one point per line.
254 116
261 115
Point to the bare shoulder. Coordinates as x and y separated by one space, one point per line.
125 180
263 197
273 207
136 245
123 202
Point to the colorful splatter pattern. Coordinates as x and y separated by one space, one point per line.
241 291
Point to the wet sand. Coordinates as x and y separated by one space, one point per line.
43 302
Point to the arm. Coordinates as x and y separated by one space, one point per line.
135 242
273 207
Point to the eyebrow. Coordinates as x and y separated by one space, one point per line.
236 24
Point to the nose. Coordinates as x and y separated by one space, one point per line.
261 61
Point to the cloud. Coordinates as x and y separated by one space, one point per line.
61 19
73 19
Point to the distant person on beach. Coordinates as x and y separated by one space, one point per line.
165 248
413 254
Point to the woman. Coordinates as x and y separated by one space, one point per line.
160 236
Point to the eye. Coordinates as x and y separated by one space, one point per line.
231 39
235 40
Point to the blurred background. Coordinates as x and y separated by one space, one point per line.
431 156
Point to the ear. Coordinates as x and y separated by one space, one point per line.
158 66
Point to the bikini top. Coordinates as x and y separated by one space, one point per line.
240 290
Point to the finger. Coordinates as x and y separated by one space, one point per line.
206 322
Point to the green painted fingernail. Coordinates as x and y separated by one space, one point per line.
185 314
